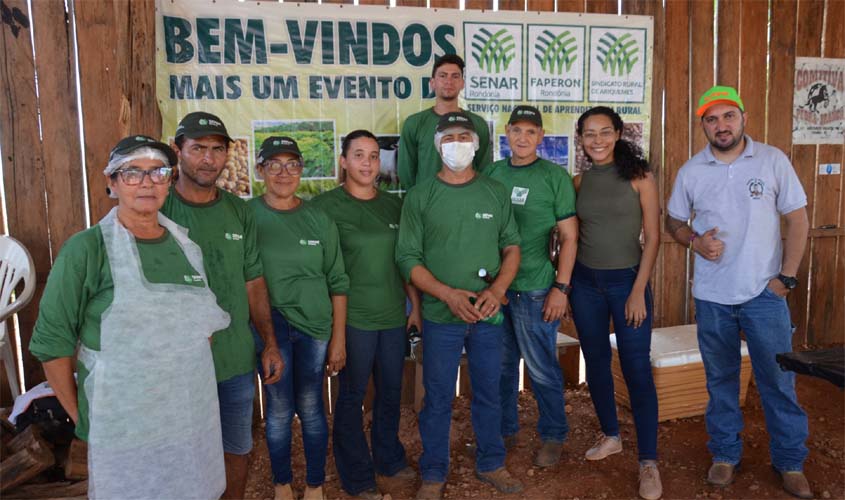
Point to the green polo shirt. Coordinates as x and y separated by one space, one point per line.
225 231
453 230
541 194
80 289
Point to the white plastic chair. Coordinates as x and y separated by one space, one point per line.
15 265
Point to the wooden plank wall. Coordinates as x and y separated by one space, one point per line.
44 180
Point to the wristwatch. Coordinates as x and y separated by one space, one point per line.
563 287
789 282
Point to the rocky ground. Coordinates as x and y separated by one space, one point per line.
681 443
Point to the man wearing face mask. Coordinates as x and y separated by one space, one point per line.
457 228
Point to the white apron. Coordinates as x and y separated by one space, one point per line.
152 395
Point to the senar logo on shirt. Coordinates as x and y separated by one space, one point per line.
393 226
519 195
234 237
192 279
310 243
484 216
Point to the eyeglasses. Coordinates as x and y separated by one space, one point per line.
133 176
275 167
604 134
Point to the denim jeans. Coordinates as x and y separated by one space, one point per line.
768 331
236 396
442 346
381 354
299 391
598 295
526 335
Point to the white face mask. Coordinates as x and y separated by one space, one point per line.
458 155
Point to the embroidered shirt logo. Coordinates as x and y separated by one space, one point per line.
393 226
310 243
234 236
484 216
519 195
192 279
755 188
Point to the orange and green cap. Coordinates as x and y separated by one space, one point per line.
719 94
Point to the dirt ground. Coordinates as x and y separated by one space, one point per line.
681 443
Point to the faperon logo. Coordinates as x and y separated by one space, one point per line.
618 54
493 51
556 53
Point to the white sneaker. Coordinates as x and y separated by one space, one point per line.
604 447
650 486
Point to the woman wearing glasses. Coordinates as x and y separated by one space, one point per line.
303 266
131 292
616 202
368 221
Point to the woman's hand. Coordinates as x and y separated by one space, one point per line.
635 310
336 358
556 306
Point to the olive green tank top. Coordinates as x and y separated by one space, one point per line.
610 220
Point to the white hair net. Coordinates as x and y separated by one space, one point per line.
119 160
438 137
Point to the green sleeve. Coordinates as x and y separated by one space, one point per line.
409 243
253 268
509 231
62 306
564 197
336 277
408 158
484 156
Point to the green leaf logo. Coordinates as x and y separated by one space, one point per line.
556 54
493 51
618 55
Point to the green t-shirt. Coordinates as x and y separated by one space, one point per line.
303 265
368 230
542 194
419 161
225 231
453 230
80 289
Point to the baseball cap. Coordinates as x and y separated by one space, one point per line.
525 113
200 124
720 94
133 142
455 119
277 144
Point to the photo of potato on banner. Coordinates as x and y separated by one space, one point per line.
317 72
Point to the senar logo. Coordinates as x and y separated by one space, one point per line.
618 55
493 51
483 216
556 54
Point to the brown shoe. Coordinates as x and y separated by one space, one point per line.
501 479
721 474
548 454
795 483
430 490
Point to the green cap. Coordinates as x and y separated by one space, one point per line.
133 142
455 119
719 94
525 113
275 145
200 124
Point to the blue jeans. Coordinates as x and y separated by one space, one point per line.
526 335
442 346
236 396
381 354
768 331
299 391
598 295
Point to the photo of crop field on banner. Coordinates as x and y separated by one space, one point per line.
317 72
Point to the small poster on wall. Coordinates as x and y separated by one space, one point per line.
818 105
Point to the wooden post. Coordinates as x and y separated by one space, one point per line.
26 463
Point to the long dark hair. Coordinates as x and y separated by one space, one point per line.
628 157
